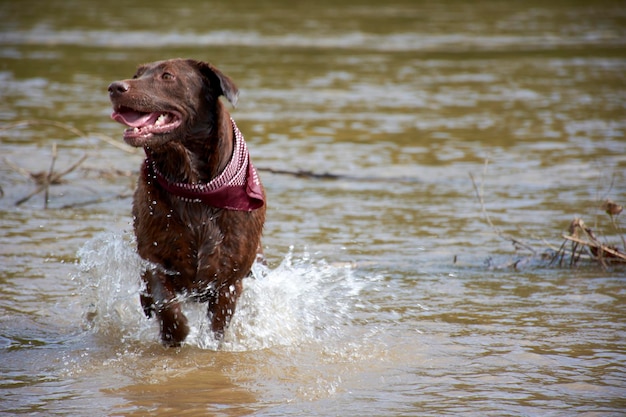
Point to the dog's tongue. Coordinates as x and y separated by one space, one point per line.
134 118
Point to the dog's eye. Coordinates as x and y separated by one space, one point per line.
167 76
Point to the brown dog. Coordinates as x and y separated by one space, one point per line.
199 206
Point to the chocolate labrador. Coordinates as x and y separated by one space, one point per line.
199 206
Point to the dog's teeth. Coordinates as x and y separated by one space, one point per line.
160 120
136 130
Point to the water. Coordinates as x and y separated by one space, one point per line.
387 292
299 300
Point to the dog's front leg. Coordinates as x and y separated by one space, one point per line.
222 307
147 304
162 300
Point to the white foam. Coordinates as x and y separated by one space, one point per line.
110 284
301 300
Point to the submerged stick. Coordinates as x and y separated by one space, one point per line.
597 245
613 210
45 180
65 126
582 237
119 196
48 178
497 230
329 176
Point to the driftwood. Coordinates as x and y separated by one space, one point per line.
330 176
583 243
45 179
119 196
67 127
517 243
579 244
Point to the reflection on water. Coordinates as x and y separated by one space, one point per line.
386 292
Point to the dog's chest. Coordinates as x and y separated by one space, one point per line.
197 223
175 229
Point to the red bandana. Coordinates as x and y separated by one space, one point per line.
237 188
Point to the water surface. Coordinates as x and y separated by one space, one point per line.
387 291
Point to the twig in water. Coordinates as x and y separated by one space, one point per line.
47 179
65 126
582 237
44 180
497 230
613 210
119 196
107 139
329 176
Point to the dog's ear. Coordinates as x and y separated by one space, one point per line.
216 77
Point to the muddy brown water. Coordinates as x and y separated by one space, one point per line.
387 292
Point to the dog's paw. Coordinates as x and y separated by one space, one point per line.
174 328
147 303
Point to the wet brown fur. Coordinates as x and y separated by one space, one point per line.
197 250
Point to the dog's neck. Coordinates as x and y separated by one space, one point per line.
201 157
237 187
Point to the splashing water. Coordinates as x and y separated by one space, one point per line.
301 300
110 283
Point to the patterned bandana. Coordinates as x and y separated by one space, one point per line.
237 188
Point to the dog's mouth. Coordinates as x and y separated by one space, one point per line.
142 125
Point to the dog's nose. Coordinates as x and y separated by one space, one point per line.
118 87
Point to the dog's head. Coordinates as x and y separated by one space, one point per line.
169 100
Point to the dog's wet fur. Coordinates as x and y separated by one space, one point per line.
197 251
